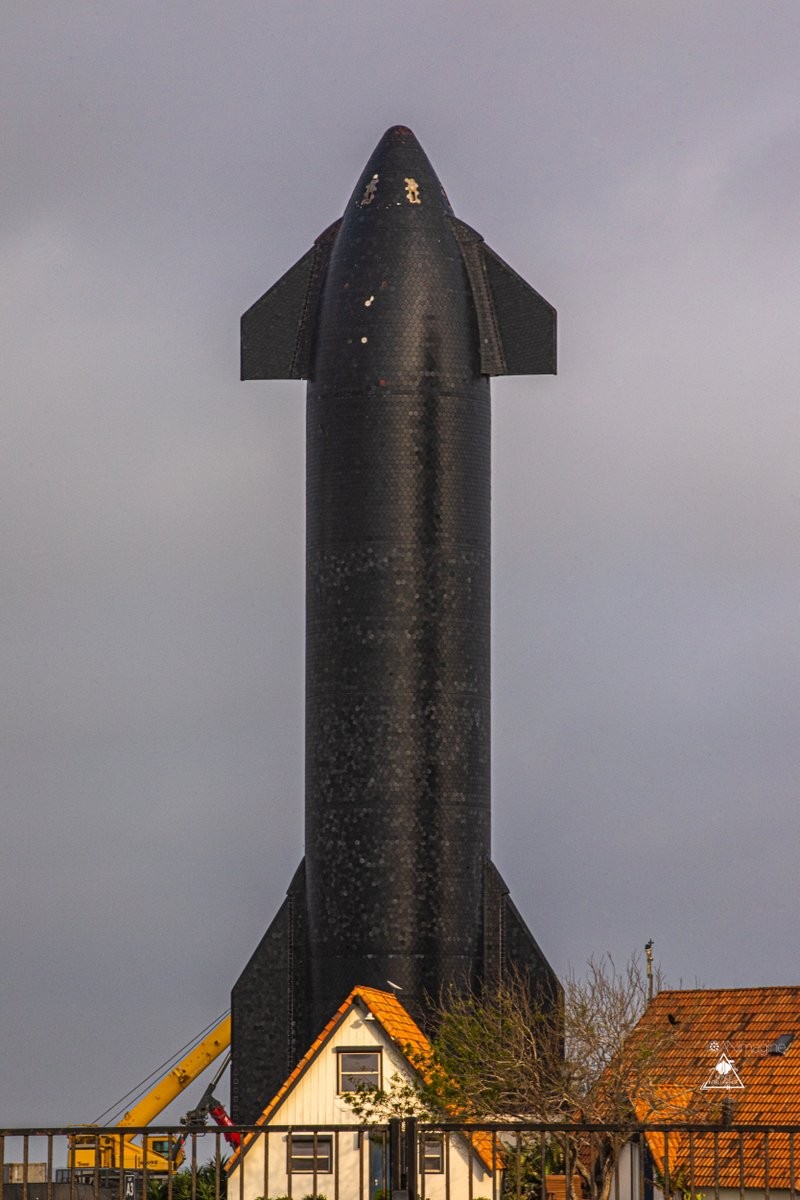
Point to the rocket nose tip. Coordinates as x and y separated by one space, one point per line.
397 138
399 133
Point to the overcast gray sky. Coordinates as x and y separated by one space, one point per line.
163 163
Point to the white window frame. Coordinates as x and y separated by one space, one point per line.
432 1163
375 1078
319 1158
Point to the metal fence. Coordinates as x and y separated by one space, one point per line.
408 1158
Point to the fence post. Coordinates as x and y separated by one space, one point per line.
411 1157
395 1159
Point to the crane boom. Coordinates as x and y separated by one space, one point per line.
181 1075
93 1149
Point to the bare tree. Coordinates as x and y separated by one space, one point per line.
500 1055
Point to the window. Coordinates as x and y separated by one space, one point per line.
309 1154
359 1069
433 1154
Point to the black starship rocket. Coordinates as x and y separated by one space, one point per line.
397 317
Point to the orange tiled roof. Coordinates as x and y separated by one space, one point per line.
399 1027
742 1023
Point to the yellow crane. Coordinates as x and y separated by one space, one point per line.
95 1150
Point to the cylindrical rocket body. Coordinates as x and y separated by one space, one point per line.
397 316
398 600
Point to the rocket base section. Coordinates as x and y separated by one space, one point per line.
269 1008
273 1009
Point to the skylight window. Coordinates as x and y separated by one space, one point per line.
781 1044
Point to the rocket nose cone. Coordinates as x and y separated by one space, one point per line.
399 171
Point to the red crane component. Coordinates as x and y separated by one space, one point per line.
217 1113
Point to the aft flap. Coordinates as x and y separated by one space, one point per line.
508 944
516 326
277 330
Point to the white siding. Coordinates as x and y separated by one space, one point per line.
352 1165
313 1100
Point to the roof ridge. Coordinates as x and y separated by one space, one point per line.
773 987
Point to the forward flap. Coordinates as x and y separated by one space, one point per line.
277 330
516 326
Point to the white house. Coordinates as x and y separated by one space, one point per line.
304 1150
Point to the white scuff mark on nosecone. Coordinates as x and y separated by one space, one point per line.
370 191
